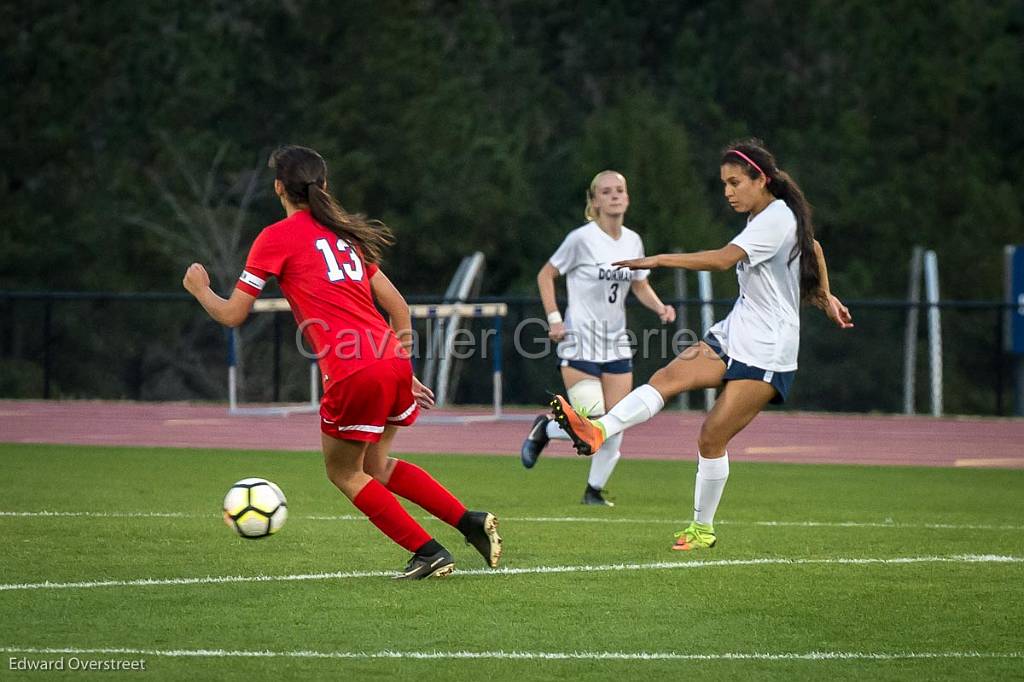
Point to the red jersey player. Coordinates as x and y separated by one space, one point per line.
326 262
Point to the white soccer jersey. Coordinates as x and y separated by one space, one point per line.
595 321
763 328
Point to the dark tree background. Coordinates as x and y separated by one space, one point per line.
133 132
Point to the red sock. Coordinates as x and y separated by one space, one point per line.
386 513
416 485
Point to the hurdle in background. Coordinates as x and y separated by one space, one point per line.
451 312
268 305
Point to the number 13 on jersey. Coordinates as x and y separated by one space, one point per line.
353 269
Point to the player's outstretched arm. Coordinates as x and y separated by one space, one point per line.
719 259
230 312
825 299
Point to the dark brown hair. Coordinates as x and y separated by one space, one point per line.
303 172
782 186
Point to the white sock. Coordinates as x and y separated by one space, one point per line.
603 462
555 431
637 407
712 473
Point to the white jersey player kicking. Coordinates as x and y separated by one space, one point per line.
753 351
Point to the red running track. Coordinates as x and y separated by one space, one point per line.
773 436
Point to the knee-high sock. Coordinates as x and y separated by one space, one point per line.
712 473
555 431
642 403
603 462
416 485
384 511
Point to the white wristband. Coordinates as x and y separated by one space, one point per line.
554 317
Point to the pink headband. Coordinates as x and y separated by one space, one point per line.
751 162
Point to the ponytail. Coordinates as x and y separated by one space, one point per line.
303 172
784 187
589 213
370 236
757 160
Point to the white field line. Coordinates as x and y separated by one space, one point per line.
533 519
532 570
101 515
523 655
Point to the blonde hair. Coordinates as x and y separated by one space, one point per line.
589 213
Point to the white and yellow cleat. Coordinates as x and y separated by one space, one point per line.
695 536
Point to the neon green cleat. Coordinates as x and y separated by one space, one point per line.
695 536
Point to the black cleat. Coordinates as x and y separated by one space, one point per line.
481 531
535 441
436 565
595 497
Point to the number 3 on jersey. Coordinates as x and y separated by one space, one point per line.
352 270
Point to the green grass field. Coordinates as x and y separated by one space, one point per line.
821 571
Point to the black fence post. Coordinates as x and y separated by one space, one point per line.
997 357
137 369
7 342
277 357
47 323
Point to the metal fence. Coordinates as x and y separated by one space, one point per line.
162 346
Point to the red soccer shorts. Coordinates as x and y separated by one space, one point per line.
359 406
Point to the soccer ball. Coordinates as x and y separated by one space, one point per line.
255 508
